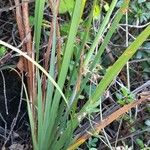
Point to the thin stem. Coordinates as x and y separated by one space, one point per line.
127 44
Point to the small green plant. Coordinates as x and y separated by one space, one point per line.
92 143
124 96
2 51
140 143
66 6
141 10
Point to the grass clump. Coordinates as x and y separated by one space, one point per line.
55 88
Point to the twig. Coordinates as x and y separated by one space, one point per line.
5 96
5 122
13 7
128 33
142 87
129 135
123 46
135 26
15 119
139 60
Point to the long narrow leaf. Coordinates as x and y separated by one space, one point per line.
79 5
50 89
39 111
39 10
37 65
100 32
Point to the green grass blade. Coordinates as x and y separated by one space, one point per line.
50 87
39 10
39 111
38 66
100 32
66 59
111 31
79 5
84 41
31 120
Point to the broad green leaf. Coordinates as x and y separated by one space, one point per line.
140 143
66 6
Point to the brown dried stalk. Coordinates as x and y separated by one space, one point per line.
22 18
58 47
47 54
46 61
31 80
19 20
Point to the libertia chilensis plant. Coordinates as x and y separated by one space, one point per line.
54 114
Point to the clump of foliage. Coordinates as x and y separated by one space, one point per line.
56 88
